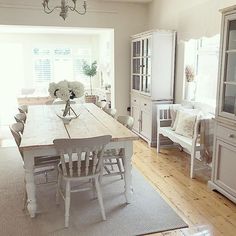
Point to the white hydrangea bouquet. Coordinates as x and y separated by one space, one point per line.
66 90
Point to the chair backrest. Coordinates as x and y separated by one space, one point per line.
15 130
101 104
18 127
20 117
110 111
89 149
23 109
127 121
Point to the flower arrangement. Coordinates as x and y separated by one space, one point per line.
66 90
189 73
90 71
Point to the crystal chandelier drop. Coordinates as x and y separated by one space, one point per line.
65 7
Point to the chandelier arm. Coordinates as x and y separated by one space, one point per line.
50 11
81 13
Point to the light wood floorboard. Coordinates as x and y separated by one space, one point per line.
205 211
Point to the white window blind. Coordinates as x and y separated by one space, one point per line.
42 65
61 63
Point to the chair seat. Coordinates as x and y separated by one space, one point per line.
75 169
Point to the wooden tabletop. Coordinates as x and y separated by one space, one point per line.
43 125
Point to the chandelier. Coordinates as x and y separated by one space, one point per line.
65 7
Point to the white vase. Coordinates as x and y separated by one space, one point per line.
190 91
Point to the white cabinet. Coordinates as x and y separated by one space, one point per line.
224 157
152 78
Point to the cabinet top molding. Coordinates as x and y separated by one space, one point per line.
228 9
149 32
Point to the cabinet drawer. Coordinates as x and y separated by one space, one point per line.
146 104
227 134
135 99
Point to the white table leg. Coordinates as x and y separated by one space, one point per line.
128 168
29 181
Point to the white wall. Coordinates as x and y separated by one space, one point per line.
126 19
191 19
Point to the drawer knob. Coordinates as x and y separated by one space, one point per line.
135 100
145 104
231 136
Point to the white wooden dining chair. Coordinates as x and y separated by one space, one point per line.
113 157
127 121
101 104
20 117
17 127
86 164
42 164
110 111
23 108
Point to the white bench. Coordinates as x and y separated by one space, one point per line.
191 145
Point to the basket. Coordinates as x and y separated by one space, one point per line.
91 98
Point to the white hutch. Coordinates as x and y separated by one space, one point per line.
152 78
224 158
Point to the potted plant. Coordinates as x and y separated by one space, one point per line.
91 71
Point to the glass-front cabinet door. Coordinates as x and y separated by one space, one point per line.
136 65
228 73
146 66
141 65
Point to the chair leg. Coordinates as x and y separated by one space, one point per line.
192 165
119 167
94 188
25 200
112 168
67 204
107 170
158 144
59 178
99 194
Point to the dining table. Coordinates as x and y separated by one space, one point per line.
44 124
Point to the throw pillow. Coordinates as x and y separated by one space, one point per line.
186 123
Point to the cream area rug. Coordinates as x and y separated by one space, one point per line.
148 213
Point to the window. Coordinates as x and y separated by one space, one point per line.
203 56
53 64
42 65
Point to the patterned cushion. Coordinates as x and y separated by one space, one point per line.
185 123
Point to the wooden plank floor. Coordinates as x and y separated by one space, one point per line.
205 211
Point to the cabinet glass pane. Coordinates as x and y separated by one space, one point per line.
136 49
231 67
147 67
146 47
136 82
229 103
136 66
146 84
232 35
